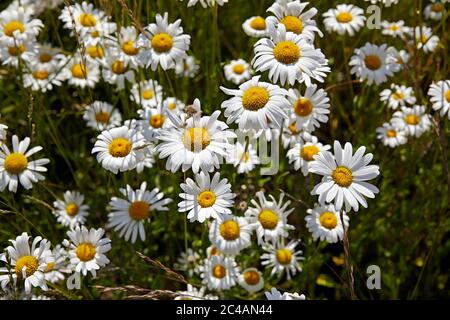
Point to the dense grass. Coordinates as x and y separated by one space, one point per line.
405 230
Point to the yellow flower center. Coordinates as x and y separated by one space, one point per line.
102 117
255 98
214 251
372 62
129 48
412 119
72 209
437 7
219 271
206 199
246 157
286 52
328 220
147 94
196 138
120 147
230 230
171 105
162 42
303 107
394 27
342 176
268 219
293 24
258 23
95 34
398 95
251 277
30 263
12 26
45 57
447 95
16 163
238 69
95 52
86 251
40 75
391 133
293 128
156 121
344 17
79 71
139 210
424 39
50 267
87 20
284 256
308 152
118 67
16 50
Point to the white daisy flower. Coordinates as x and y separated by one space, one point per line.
269 217
17 27
16 54
174 105
115 71
81 18
192 293
256 104
274 294
3 132
302 154
237 71
414 121
42 78
101 115
424 38
440 96
391 136
47 56
206 198
126 48
289 58
398 96
147 93
293 17
243 157
282 258
152 121
26 263
119 149
230 234
81 73
16 167
373 63
163 43
206 3
188 67
344 177
189 262
325 223
148 161
387 3
290 136
100 34
71 211
96 54
55 270
86 249
212 251
219 273
310 109
251 279
435 10
346 18
401 58
199 143
128 216
394 29
255 27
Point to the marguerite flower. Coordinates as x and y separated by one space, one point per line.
101 116
251 279
269 217
205 197
274 294
394 29
440 96
16 167
414 121
255 27
189 262
391 136
230 234
128 216
302 154
174 105
344 177
219 273
243 157
424 38
163 43
237 71
188 67
115 71
398 95
119 149
81 18
81 72
346 18
16 27
16 54
26 263
325 223
435 10
152 121
206 3
126 47
282 258
256 104
55 270
86 249
147 93
71 211
42 78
